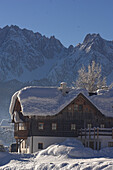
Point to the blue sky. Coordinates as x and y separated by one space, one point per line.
68 20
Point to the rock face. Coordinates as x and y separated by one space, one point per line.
27 56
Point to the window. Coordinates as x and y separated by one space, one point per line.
69 108
75 107
102 126
80 108
86 109
89 125
16 127
22 126
40 145
40 126
110 144
73 126
54 126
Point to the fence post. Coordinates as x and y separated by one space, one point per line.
97 132
94 132
112 132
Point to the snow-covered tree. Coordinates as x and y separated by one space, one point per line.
91 79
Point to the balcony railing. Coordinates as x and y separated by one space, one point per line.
95 132
21 130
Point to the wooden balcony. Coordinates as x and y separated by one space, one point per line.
93 133
21 134
21 130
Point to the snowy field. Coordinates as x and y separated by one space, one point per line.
69 155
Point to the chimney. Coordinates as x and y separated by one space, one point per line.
92 93
63 88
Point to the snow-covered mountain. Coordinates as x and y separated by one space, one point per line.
28 58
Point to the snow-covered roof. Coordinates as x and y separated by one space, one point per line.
43 101
103 101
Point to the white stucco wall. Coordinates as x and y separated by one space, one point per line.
103 139
47 141
24 146
32 142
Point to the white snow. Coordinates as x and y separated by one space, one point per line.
6 132
104 102
69 155
16 117
50 101
42 100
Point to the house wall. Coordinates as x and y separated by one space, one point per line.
101 142
47 141
63 128
32 142
105 140
24 146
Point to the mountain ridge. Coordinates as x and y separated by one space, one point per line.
28 56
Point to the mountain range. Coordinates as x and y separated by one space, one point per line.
28 58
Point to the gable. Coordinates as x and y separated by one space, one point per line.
81 105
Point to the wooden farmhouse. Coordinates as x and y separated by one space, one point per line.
43 116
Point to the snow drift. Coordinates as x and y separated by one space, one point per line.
70 154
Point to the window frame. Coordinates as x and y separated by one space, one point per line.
89 125
80 108
69 109
40 145
102 126
73 126
54 126
39 127
75 107
22 126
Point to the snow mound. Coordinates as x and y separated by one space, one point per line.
69 148
106 152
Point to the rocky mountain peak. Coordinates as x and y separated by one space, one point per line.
92 37
70 48
94 42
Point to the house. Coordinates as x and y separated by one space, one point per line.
46 115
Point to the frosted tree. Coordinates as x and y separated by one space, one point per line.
91 79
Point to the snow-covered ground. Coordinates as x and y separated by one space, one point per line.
68 155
